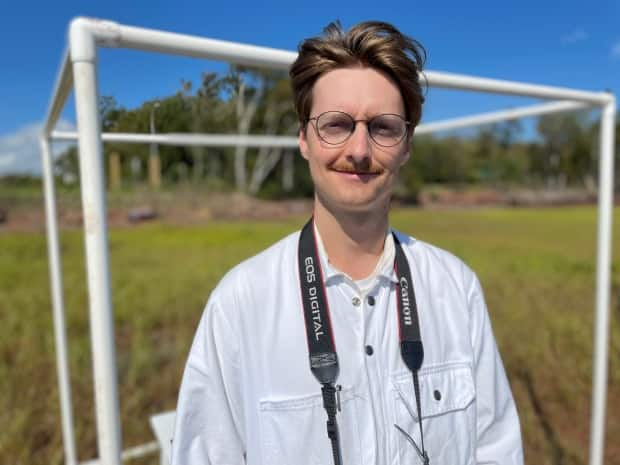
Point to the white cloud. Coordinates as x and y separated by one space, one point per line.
20 151
7 159
615 50
577 35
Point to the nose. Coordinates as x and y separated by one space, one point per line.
358 146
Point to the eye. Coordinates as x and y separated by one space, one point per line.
334 123
387 126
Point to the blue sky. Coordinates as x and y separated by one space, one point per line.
563 43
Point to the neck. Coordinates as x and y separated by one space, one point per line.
353 241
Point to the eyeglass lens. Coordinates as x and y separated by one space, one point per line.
335 127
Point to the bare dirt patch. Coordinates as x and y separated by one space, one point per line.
194 206
180 208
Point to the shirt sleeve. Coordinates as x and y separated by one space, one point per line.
498 430
208 421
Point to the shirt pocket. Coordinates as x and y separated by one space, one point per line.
294 432
447 396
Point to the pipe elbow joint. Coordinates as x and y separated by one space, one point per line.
86 33
81 40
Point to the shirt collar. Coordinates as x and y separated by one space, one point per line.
384 268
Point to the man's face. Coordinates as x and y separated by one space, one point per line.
357 175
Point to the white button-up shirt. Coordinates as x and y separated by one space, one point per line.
248 396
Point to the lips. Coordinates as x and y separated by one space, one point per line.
357 176
359 173
363 169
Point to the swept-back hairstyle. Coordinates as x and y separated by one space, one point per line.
373 44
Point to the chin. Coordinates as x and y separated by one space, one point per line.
360 204
354 199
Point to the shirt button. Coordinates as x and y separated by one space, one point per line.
371 300
369 350
437 395
356 301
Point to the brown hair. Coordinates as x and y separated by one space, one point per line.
373 44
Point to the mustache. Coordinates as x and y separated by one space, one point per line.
363 167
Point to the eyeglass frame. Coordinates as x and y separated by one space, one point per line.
355 121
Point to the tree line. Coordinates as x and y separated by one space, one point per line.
562 153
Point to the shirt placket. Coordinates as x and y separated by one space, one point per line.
353 358
376 319
369 316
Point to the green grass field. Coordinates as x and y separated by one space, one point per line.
536 265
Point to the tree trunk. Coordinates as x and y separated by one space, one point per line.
267 158
288 171
115 171
244 118
266 161
199 164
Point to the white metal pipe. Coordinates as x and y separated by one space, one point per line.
131 453
179 139
497 86
83 56
112 34
603 269
231 140
502 115
198 47
62 88
140 451
58 305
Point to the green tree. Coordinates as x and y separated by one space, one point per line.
565 155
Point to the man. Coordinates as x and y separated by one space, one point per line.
349 322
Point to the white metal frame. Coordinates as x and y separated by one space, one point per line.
78 71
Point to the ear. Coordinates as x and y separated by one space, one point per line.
303 143
405 158
406 153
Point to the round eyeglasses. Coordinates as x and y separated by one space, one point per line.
335 127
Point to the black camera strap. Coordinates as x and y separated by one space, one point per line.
320 336
323 357
411 349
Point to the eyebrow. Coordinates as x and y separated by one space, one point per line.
367 115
